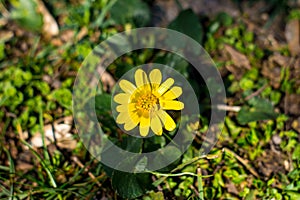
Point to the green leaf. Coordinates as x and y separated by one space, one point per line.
225 19
174 61
293 195
102 103
129 185
233 128
154 196
167 154
141 164
2 50
2 100
296 153
258 109
83 49
63 96
251 195
103 111
25 13
122 69
130 11
188 23
132 144
252 137
153 143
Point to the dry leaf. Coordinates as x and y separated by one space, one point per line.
107 80
59 132
292 34
236 71
3 21
238 59
24 160
165 11
67 35
296 124
295 74
294 4
82 33
50 26
23 166
293 102
280 59
6 35
271 162
231 188
272 68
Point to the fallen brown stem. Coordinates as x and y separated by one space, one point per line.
244 162
77 161
257 92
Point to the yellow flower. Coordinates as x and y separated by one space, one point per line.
144 104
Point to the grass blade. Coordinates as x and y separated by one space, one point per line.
200 186
48 171
12 172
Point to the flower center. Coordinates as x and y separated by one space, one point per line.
146 101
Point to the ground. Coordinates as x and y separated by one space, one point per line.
255 46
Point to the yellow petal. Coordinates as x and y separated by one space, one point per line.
122 117
156 126
173 93
155 76
127 87
165 86
144 125
145 121
140 78
144 131
167 121
126 107
129 125
134 117
122 98
129 119
171 105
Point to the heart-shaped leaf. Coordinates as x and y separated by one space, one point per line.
188 23
258 109
129 185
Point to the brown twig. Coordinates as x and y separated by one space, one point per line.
257 92
244 162
77 161
194 189
228 108
158 187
